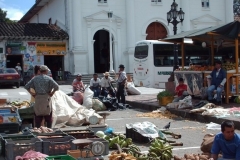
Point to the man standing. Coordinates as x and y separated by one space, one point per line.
105 84
95 85
218 79
44 87
227 142
121 84
19 69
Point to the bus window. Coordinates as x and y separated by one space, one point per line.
141 51
163 54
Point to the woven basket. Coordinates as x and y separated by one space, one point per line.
165 100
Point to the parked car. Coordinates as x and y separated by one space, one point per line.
27 76
9 76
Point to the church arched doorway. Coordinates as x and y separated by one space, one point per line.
101 51
156 31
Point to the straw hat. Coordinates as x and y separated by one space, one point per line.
106 74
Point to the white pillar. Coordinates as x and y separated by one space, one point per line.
229 15
77 25
186 25
130 14
90 47
111 44
119 53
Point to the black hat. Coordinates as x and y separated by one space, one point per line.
121 66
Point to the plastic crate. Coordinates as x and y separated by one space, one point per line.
79 153
4 136
97 128
136 137
9 128
15 148
80 134
26 113
63 157
58 145
106 144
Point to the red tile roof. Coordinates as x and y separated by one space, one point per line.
32 31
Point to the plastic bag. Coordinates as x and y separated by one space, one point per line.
132 89
87 98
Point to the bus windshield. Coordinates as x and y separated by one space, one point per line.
163 54
141 52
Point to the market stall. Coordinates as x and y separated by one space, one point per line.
214 39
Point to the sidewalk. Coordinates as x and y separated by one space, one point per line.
148 101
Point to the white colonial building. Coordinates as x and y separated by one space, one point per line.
88 25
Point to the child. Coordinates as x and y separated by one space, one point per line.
181 90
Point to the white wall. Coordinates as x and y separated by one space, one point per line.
144 13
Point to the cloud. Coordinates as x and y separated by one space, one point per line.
12 13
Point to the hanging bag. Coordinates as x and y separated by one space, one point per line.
41 106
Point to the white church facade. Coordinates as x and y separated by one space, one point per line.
88 26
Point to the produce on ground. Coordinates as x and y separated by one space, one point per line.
161 115
19 104
192 157
119 139
42 130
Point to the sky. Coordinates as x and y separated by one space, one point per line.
16 8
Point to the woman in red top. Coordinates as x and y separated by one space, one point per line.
181 90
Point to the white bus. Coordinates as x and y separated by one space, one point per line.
154 61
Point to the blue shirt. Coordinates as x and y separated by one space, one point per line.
229 149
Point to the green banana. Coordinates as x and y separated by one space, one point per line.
152 154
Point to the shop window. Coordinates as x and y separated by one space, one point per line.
156 2
205 3
102 1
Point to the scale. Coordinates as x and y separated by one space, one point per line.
97 148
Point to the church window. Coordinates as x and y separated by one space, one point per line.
205 3
102 1
156 2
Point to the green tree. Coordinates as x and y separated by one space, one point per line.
3 17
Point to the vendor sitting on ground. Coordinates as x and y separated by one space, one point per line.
78 89
218 79
95 85
181 90
106 86
227 143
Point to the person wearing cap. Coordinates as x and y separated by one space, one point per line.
78 89
218 79
122 77
105 84
44 87
181 90
95 85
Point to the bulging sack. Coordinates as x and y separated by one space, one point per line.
41 106
206 145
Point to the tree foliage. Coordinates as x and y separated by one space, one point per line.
3 17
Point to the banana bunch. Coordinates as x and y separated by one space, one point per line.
160 150
120 139
135 151
20 104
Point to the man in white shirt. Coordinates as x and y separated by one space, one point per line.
95 85
19 69
122 77
105 84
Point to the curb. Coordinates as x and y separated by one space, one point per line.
186 114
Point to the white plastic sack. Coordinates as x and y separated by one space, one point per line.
132 89
97 105
185 103
216 112
87 98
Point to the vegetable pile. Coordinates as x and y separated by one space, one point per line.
192 157
42 130
164 94
20 105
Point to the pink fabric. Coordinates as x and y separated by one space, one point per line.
78 97
234 109
31 154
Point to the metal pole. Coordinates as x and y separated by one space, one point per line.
110 42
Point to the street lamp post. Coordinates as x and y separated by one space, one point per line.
110 14
172 16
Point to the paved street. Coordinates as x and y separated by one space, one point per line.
192 132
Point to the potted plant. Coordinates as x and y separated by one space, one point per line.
165 97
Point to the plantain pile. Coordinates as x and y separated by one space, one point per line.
160 150
119 139
19 105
